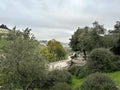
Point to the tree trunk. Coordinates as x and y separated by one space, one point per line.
84 52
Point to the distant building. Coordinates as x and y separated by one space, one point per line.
43 42
4 30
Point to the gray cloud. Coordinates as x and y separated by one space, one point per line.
58 18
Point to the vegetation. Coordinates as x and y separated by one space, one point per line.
116 77
23 67
23 61
86 39
98 81
100 60
76 82
116 48
54 51
99 54
61 86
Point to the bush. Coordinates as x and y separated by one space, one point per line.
100 60
116 63
60 76
116 48
74 69
56 76
78 71
83 72
97 81
61 86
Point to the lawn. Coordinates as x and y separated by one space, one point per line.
114 75
76 82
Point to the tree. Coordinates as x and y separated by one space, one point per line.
55 48
116 28
80 40
47 55
98 28
108 41
116 48
85 39
98 81
22 66
3 26
100 60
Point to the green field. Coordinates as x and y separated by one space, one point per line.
114 75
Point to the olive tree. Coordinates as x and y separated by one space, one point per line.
22 66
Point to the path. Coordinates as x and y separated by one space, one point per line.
64 64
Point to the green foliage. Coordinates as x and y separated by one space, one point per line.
116 48
116 63
99 29
98 81
116 77
55 47
55 79
3 42
22 66
47 55
74 69
109 40
76 82
79 40
60 76
61 86
116 28
79 71
100 60
54 51
83 72
85 39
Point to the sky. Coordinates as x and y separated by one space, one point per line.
58 19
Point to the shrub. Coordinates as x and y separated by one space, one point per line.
79 71
100 60
56 76
61 86
116 63
116 48
60 76
83 72
74 69
98 81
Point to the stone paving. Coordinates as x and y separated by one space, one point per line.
64 64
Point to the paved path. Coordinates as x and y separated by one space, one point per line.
64 64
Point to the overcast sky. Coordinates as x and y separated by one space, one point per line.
58 19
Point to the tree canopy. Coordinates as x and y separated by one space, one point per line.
54 51
22 66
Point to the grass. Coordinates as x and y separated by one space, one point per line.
76 82
114 75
